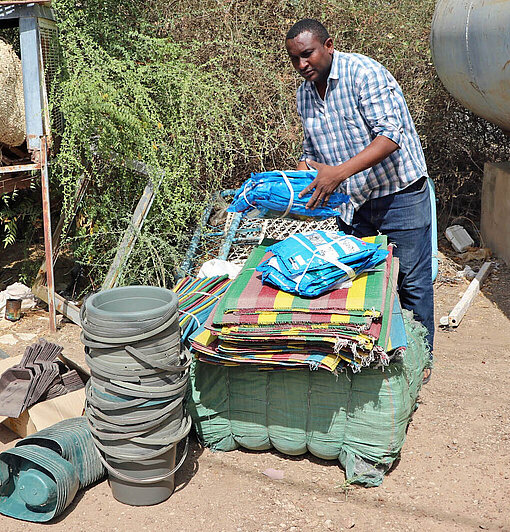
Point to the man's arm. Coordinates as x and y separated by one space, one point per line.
376 93
329 177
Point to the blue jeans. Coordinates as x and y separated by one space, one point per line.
405 217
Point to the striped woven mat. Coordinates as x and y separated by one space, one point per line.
249 301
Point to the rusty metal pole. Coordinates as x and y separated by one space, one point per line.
48 248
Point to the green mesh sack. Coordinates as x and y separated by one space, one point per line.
359 419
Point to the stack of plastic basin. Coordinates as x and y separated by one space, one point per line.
36 483
71 439
135 396
41 475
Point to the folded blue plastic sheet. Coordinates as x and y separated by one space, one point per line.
309 264
275 194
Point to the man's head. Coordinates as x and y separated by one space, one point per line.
310 49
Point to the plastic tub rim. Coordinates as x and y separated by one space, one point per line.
131 316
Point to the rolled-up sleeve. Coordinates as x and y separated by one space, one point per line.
378 104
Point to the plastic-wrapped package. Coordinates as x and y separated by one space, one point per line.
309 264
275 194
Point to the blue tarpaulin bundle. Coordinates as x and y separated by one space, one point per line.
275 194
309 264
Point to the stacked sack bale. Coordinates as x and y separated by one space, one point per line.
139 377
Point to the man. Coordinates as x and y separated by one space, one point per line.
360 137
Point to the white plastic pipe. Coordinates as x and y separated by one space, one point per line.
456 315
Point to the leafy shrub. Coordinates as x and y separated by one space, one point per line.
202 91
131 95
17 210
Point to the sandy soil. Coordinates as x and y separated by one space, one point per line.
454 473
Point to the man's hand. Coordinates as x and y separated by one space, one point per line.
329 177
327 180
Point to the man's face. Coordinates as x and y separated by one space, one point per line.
309 57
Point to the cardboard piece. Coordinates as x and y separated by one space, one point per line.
45 414
6 363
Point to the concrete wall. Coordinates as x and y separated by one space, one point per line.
495 223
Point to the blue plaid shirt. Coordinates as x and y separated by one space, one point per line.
362 100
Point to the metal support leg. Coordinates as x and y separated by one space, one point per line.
48 248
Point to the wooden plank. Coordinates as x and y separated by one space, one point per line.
11 169
133 230
10 184
130 236
62 305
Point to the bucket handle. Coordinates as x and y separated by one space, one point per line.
163 323
148 456
143 330
87 342
144 358
151 417
151 480
140 390
119 406
115 435
146 391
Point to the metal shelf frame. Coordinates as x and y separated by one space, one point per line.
36 24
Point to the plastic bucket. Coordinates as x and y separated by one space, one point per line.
129 313
144 482
159 370
162 340
145 418
125 479
99 398
161 390
132 303
135 397
147 445
121 366
111 372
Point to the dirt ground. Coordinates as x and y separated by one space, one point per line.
454 472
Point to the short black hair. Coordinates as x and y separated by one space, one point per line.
311 25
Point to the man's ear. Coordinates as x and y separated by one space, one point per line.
328 44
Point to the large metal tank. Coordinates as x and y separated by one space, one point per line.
470 42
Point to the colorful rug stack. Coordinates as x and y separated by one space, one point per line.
197 298
355 326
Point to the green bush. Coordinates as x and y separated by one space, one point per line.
203 91
129 94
